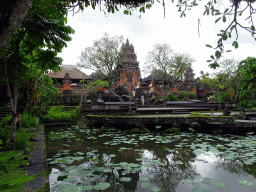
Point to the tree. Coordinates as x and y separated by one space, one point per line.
247 84
228 78
14 11
25 50
105 57
167 65
164 63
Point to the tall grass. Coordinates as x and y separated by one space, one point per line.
21 140
57 114
5 133
34 121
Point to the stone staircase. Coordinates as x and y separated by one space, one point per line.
179 111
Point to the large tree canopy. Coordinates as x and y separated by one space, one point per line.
105 57
163 62
247 84
24 60
13 13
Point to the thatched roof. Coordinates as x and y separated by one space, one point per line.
156 77
74 73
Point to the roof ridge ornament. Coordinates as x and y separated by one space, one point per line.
127 42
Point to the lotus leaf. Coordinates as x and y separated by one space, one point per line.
155 189
198 189
118 168
145 185
108 164
186 181
220 185
196 184
107 170
248 183
150 176
143 178
126 179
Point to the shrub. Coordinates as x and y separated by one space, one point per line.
21 140
192 95
92 94
224 97
159 96
5 133
34 121
182 95
75 99
56 113
173 97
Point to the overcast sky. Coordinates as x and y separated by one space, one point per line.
146 29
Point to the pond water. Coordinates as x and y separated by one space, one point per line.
84 160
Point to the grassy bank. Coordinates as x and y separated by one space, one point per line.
14 163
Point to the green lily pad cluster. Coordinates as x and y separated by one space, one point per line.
94 168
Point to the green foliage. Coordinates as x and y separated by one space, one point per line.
216 131
105 57
16 183
48 94
173 130
95 85
34 121
5 133
21 140
57 114
224 97
171 97
135 130
247 85
182 95
192 95
207 83
75 99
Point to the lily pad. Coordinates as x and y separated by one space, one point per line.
220 185
143 178
155 189
207 182
150 176
123 163
198 189
118 168
87 188
102 186
70 179
186 181
145 185
107 170
248 183
126 179
196 184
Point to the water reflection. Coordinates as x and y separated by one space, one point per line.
168 162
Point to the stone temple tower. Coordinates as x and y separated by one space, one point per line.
130 71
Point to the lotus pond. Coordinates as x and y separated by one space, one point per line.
90 160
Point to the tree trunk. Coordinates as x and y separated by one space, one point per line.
164 96
113 92
13 100
17 16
